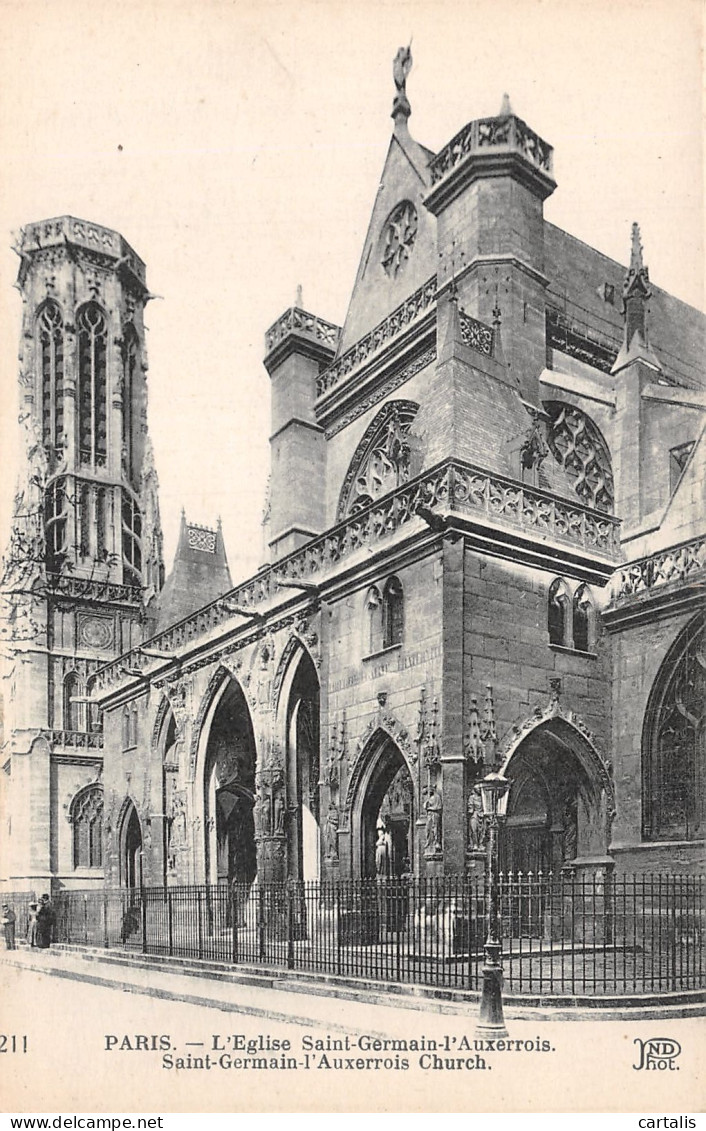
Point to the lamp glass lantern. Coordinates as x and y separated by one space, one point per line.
494 793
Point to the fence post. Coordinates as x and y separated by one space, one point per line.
143 908
290 924
234 920
199 925
106 942
170 925
85 918
261 922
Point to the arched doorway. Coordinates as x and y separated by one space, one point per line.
303 771
229 791
556 809
386 815
132 849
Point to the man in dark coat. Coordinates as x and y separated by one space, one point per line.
45 922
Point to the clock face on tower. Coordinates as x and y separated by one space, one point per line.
398 235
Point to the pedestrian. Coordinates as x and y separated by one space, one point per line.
32 927
8 926
45 922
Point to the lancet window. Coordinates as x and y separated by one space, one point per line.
558 614
578 446
50 331
55 510
129 359
86 817
583 620
92 385
132 535
392 613
674 742
72 707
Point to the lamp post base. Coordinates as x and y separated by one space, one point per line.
491 1021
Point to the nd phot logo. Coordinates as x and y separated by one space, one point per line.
657 1053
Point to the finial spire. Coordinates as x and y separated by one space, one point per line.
401 67
299 299
636 292
636 264
505 107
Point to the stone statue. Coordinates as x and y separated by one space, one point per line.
331 833
278 811
382 853
571 830
401 67
476 824
434 807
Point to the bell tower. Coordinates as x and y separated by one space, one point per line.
84 561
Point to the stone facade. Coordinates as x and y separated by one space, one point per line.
486 551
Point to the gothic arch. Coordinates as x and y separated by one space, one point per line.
217 684
403 413
374 737
673 740
163 710
287 665
130 841
597 768
579 447
381 763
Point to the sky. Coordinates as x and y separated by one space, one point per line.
238 147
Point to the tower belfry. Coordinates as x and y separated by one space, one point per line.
85 553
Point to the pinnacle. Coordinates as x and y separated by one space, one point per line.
505 108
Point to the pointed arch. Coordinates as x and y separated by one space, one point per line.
72 709
130 356
129 833
559 613
383 831
580 448
92 401
381 461
291 654
674 740
215 688
49 323
86 819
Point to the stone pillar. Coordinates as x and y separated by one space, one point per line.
452 760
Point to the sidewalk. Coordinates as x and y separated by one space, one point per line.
301 998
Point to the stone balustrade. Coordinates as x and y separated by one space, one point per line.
507 134
451 487
666 567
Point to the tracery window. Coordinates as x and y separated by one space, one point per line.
673 746
578 446
51 353
55 506
132 535
85 520
398 236
392 613
92 385
86 817
382 459
558 618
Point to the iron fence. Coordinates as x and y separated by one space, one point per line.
574 934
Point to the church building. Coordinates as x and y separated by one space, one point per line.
486 551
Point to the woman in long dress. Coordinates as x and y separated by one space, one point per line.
45 922
32 926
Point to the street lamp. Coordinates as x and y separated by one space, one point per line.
494 791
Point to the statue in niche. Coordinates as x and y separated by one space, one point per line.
476 824
331 833
434 806
383 853
571 830
278 811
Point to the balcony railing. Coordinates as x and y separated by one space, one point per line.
383 333
675 565
297 321
76 739
92 590
452 486
504 134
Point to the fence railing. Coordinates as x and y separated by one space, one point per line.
593 935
